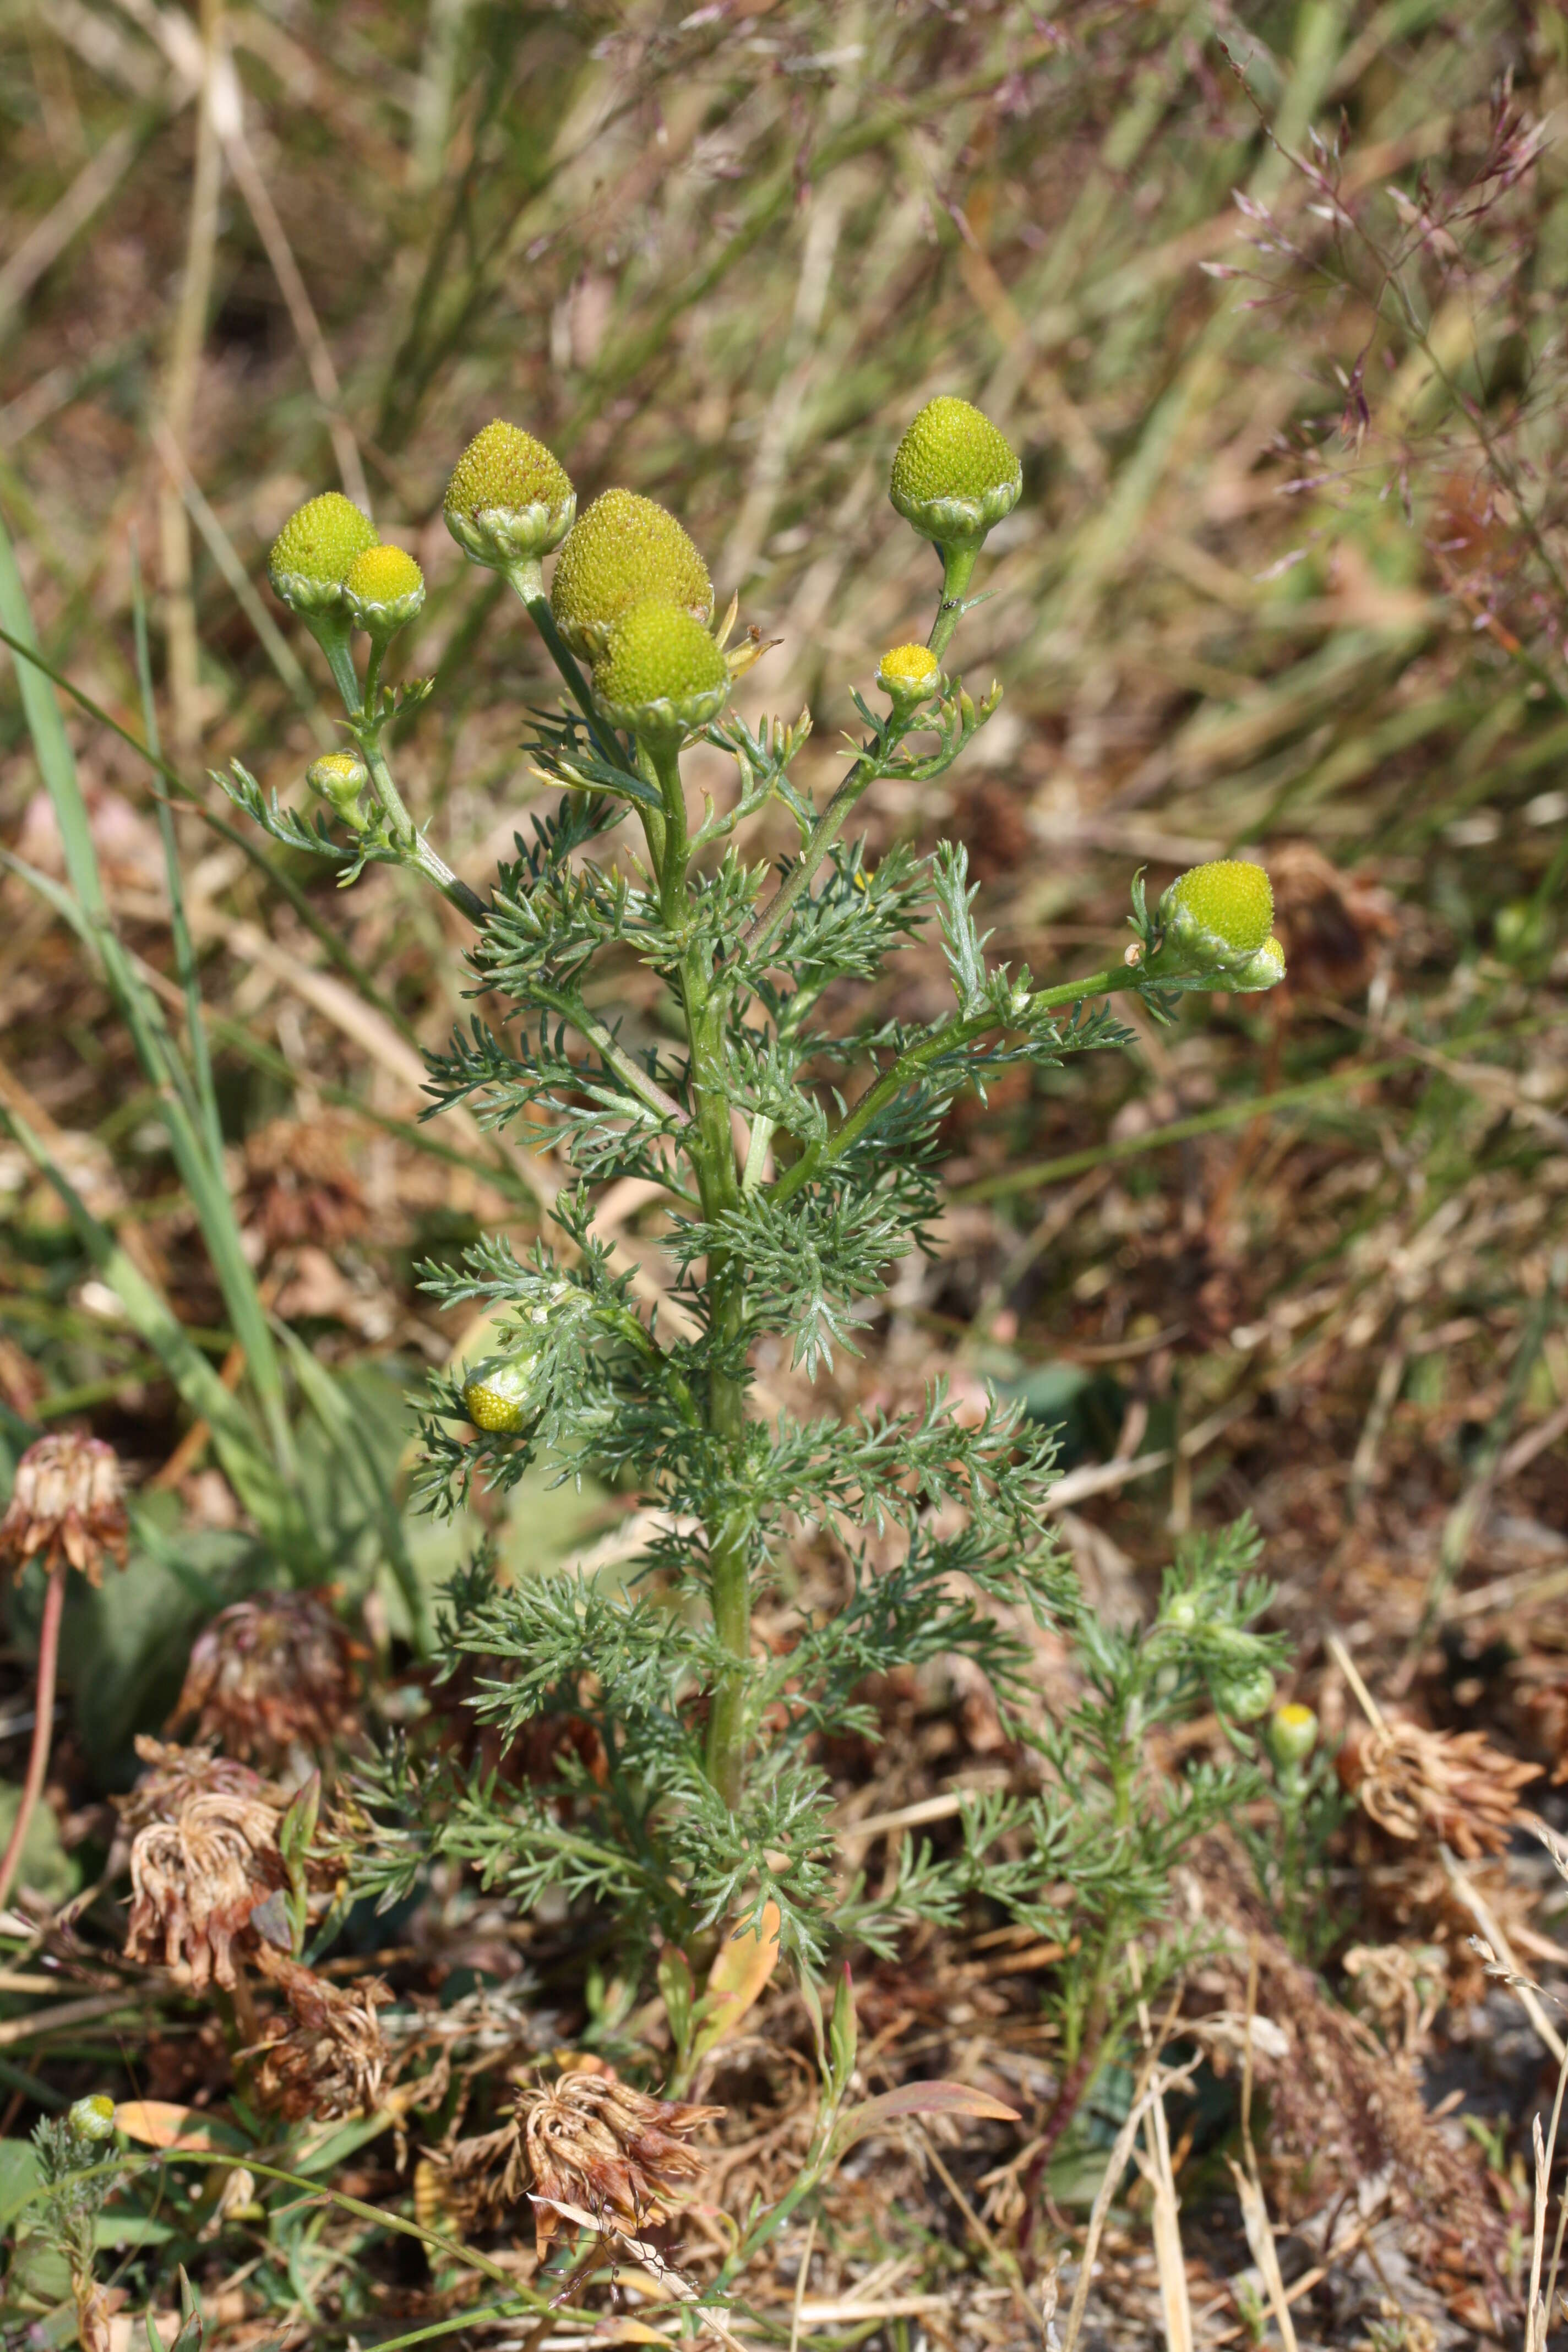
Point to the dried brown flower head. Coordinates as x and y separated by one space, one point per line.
271 1675
1447 1785
330 2059
299 1185
586 2139
68 1502
201 1864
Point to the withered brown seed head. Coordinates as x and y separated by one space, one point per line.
68 1502
330 2059
585 2139
300 1184
271 1675
1432 1785
200 1864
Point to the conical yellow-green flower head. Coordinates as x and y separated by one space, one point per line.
624 551
509 498
954 475
312 552
908 674
1228 902
661 673
339 777
383 589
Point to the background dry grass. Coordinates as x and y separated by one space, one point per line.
1269 297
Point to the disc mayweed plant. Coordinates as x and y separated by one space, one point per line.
795 1150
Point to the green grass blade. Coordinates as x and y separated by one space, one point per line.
269 1497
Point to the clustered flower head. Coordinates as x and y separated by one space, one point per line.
383 588
328 566
661 673
625 550
509 499
202 1864
910 673
271 1676
954 474
586 2139
328 2060
1220 917
1447 1785
68 1502
312 555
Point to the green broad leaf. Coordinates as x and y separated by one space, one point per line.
113 2231
45 1868
21 2174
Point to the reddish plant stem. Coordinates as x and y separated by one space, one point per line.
43 1726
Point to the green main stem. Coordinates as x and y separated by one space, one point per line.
710 1148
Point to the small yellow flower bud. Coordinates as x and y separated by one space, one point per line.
661 673
909 675
498 1394
93 2118
954 475
1223 910
624 551
340 777
312 552
1264 970
509 501
1292 1735
383 589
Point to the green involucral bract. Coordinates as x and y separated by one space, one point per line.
624 551
509 499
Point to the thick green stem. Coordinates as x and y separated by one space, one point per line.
332 632
712 1149
957 571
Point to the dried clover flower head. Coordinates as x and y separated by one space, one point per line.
329 2060
173 1773
509 501
954 475
497 1395
1222 911
270 1676
67 1504
623 551
198 1873
1447 1785
910 673
383 590
586 2139
661 673
312 552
